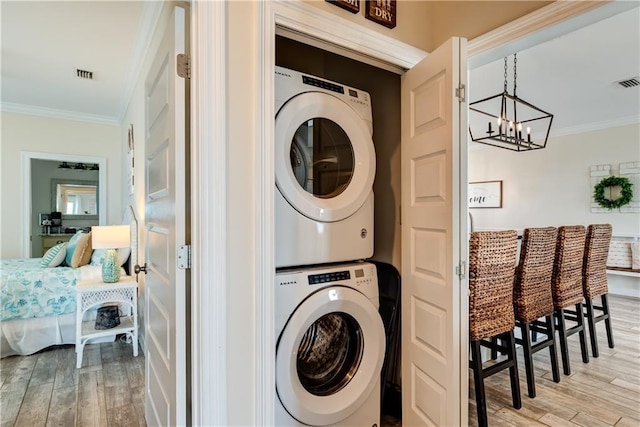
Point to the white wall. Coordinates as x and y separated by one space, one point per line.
552 186
21 132
135 117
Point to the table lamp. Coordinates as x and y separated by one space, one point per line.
110 237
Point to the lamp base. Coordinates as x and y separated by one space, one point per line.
111 267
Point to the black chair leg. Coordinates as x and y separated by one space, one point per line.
562 332
581 334
478 381
607 319
513 372
592 327
494 350
525 332
553 353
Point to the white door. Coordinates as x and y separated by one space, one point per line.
433 296
165 304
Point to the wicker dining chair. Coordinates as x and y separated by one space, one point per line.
532 299
594 281
566 288
492 258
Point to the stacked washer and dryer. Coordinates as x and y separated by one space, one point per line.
331 338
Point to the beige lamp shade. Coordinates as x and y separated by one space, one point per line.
110 236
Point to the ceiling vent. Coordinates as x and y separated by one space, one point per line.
634 81
84 74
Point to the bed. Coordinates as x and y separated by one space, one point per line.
38 304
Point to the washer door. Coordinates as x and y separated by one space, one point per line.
324 157
329 356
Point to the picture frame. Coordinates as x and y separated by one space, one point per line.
382 12
485 194
352 6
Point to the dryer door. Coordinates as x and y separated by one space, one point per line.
329 356
324 157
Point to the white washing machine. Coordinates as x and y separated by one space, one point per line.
325 164
330 347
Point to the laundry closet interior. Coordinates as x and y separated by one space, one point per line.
384 88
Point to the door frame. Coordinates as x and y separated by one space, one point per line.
209 48
25 160
209 217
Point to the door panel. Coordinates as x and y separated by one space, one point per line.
165 206
431 332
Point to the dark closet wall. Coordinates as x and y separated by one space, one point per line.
384 88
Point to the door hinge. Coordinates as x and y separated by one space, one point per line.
184 65
461 270
184 257
461 92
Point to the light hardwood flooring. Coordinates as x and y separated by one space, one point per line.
46 389
603 392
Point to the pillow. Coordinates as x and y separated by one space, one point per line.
79 250
635 255
54 256
97 258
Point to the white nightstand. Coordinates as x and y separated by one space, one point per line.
94 294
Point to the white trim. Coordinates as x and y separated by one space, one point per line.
25 189
265 359
320 25
208 217
590 127
546 23
10 107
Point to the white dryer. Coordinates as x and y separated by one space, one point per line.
330 347
325 165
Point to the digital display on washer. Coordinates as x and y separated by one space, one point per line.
321 83
353 93
336 276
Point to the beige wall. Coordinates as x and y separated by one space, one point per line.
471 19
552 187
21 132
428 24
411 19
135 117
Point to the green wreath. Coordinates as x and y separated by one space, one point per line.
626 192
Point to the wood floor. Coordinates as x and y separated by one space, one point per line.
604 392
46 389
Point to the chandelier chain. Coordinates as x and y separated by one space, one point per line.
505 74
515 72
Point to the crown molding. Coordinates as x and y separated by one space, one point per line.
52 113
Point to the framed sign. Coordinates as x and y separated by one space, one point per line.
381 11
487 194
352 6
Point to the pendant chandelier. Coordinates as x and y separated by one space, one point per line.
506 121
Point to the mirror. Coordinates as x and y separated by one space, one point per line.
74 197
42 172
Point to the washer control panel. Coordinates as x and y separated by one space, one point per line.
334 276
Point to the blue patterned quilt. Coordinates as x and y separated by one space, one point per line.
28 290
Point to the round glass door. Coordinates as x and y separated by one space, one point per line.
324 157
329 356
